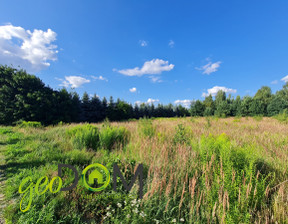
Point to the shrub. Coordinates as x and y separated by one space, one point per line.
236 120
258 118
32 124
283 116
208 125
85 136
5 130
113 137
182 135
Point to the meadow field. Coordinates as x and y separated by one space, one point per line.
196 170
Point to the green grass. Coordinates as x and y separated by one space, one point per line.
84 137
190 174
113 137
146 127
282 117
32 124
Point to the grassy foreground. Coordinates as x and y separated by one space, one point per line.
196 170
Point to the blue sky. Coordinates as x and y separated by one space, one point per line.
165 51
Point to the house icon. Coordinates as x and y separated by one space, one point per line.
95 174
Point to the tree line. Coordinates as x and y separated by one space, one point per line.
263 103
25 97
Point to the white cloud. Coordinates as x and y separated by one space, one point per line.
210 67
153 67
171 43
285 79
133 90
213 91
185 103
73 81
30 50
99 78
143 43
152 100
155 79
149 101
138 102
274 82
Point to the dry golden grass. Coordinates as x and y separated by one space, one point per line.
267 136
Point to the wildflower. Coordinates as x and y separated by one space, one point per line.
119 205
182 220
128 216
135 210
174 220
134 201
142 214
157 221
108 214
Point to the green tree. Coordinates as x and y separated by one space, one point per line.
197 108
246 106
96 109
279 102
209 106
85 108
222 106
261 101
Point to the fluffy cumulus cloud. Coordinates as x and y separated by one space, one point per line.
285 79
152 100
210 67
185 103
213 91
99 78
143 43
32 50
73 81
153 67
133 90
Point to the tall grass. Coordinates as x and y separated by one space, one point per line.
146 127
113 137
229 172
282 117
85 136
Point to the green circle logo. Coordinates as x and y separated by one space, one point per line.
96 174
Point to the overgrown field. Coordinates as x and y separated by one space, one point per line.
196 170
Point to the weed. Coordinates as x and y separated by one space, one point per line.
85 136
113 137
146 128
182 135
